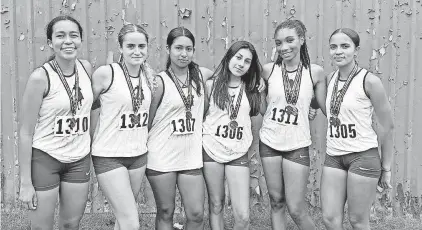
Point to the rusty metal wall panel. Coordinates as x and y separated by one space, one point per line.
391 47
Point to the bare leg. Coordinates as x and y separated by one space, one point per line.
214 178
73 197
164 189
192 191
43 216
361 193
295 180
238 179
333 197
273 172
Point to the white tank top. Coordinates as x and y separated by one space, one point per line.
355 133
174 144
279 130
52 132
220 142
115 134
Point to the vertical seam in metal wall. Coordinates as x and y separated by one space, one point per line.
87 29
265 29
14 83
375 29
339 5
320 35
411 92
246 26
229 21
393 76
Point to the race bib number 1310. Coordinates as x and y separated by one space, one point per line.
68 125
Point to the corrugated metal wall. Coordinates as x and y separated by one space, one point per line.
391 35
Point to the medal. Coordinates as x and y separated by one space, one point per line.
336 100
188 115
135 119
190 100
187 100
292 89
74 99
234 110
233 124
138 96
291 110
72 123
335 121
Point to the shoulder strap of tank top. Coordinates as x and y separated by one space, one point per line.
272 70
310 75
48 82
164 89
112 79
332 76
84 69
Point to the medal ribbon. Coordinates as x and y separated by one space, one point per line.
234 110
139 96
73 98
187 101
336 101
292 92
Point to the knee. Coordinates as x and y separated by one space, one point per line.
277 202
332 221
242 219
165 213
128 221
196 215
130 225
298 212
358 221
70 224
216 207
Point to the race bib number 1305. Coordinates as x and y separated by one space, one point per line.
68 125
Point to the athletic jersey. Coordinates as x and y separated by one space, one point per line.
279 130
355 134
175 143
53 134
220 142
116 133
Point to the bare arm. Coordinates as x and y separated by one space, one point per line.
375 90
156 100
266 72
101 80
208 89
320 86
207 74
36 87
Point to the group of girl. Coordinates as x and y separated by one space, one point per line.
188 125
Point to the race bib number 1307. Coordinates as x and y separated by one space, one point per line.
183 126
68 125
